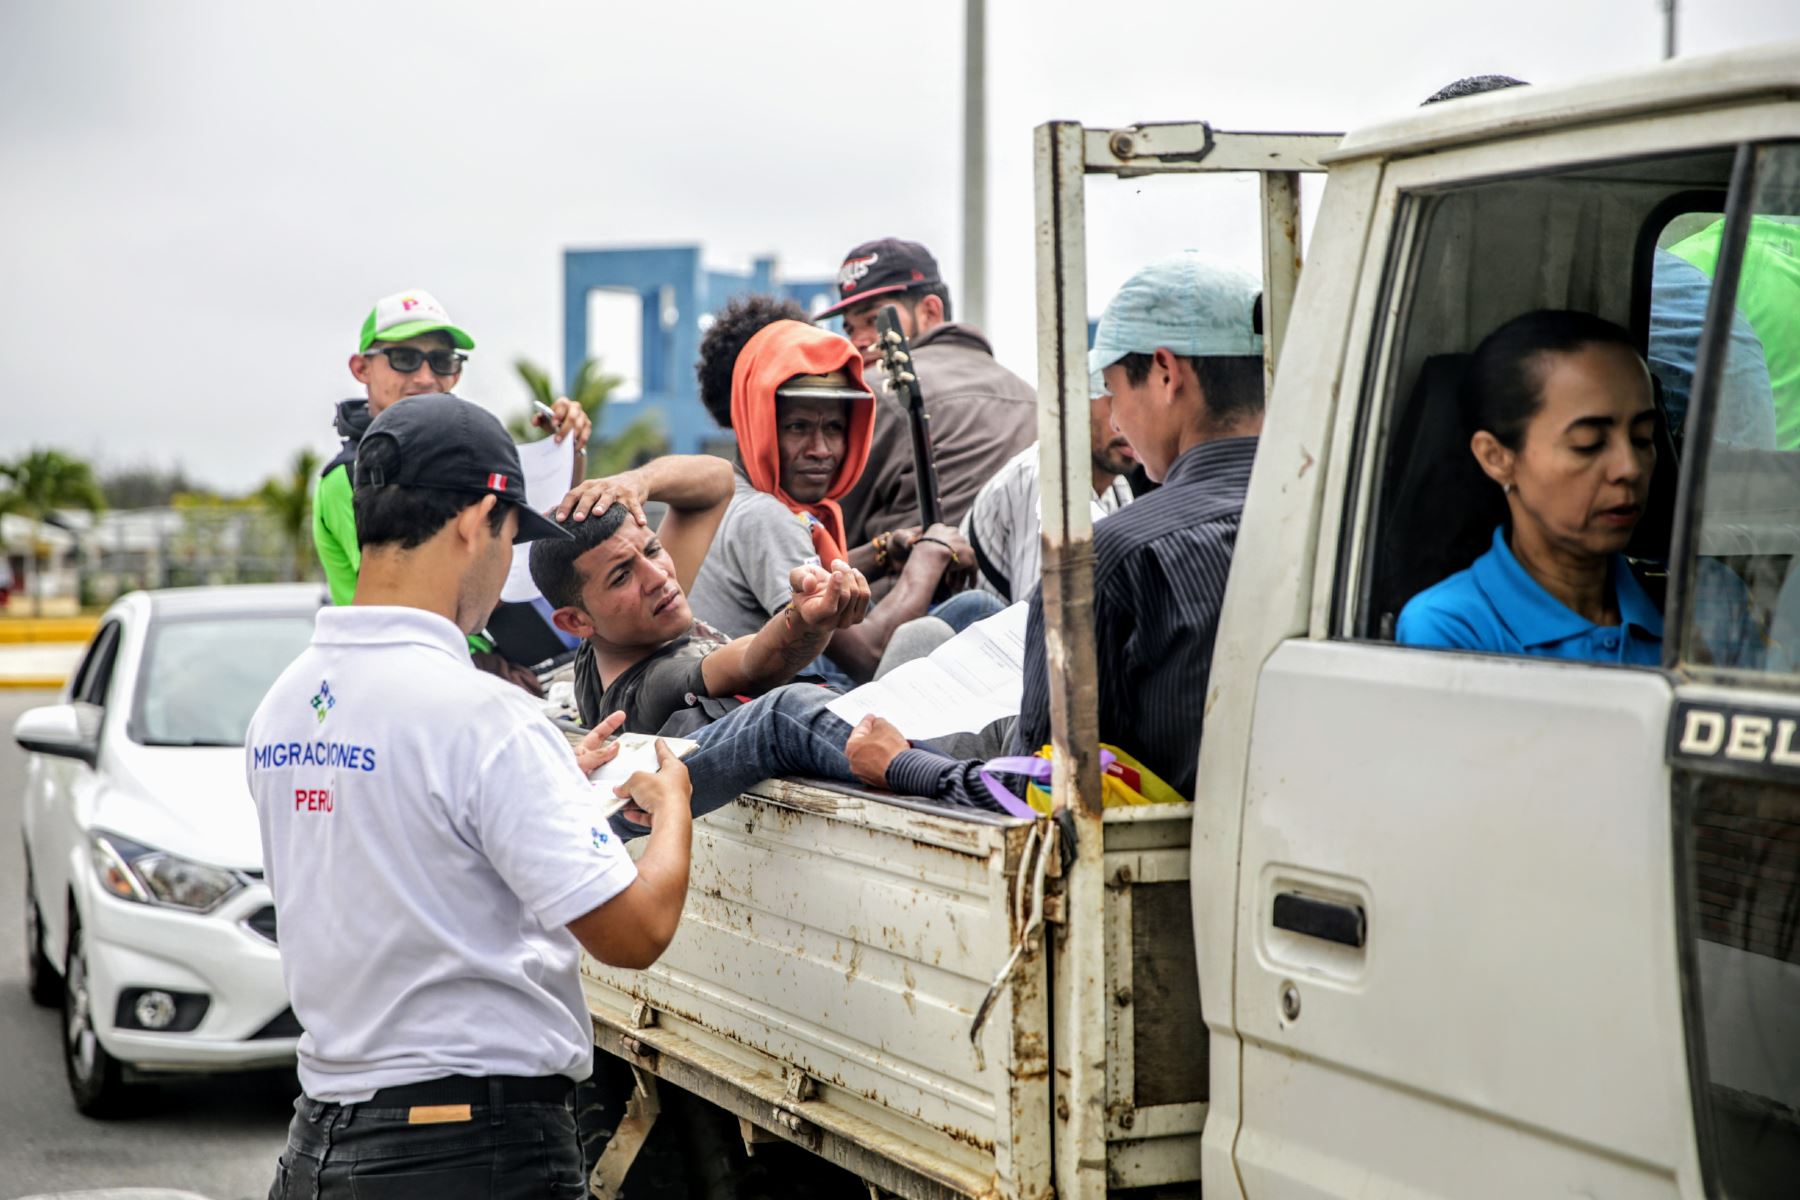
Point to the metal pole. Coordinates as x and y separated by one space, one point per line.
971 306
1281 261
1066 484
1668 11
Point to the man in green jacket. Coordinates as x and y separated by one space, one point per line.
409 346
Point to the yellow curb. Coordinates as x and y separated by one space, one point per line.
73 630
45 683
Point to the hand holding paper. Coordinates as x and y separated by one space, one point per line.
548 465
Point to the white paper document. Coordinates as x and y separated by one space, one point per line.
549 466
637 752
965 685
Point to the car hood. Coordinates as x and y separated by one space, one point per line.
192 801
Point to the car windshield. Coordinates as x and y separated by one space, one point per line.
203 677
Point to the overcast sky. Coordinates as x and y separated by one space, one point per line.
199 200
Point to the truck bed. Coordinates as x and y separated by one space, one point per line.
833 955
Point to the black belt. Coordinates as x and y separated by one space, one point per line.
475 1089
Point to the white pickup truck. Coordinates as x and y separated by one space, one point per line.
1439 924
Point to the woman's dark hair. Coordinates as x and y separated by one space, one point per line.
732 326
1503 385
553 566
405 516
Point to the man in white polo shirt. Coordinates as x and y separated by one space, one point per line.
437 855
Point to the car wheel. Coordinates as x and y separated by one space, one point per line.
95 1079
42 979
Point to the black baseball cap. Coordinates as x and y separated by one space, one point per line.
447 443
882 267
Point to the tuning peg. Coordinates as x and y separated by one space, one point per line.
902 356
908 377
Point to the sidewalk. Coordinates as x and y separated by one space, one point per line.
38 664
16 628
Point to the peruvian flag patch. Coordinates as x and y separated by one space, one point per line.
496 483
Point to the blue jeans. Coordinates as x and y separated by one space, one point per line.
965 608
360 1150
784 732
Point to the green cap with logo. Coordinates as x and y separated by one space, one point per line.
408 314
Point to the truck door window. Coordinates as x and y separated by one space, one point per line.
1734 742
1681 287
1744 599
1481 255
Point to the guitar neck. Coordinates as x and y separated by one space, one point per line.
924 466
896 357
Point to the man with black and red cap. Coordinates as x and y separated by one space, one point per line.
437 852
981 413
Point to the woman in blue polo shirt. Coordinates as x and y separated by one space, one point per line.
1562 415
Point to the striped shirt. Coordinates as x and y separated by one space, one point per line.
1005 528
1159 579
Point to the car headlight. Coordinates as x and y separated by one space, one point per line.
148 876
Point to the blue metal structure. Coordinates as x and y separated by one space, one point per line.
677 292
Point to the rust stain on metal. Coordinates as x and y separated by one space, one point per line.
1306 465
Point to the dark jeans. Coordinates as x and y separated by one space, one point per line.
789 732
368 1152
783 732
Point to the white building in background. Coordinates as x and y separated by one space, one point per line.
93 558
20 539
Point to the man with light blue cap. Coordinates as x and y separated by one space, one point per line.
1180 349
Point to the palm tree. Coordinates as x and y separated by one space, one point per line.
641 439
38 484
288 499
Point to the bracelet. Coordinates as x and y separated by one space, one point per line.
880 543
954 561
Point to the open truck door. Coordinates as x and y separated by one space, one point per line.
1480 925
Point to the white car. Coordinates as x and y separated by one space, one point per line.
147 918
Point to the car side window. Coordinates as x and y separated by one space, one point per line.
95 677
1547 259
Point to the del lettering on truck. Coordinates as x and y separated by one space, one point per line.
1735 739
312 754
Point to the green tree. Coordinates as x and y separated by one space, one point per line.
288 500
39 483
642 439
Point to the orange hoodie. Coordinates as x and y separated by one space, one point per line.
778 352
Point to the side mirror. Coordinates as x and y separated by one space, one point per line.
65 730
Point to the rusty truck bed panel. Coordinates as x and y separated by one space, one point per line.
835 949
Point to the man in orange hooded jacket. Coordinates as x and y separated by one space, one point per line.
804 420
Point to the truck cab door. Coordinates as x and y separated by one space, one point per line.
1472 945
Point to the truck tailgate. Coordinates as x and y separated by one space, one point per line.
830 962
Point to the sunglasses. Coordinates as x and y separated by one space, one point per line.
407 359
